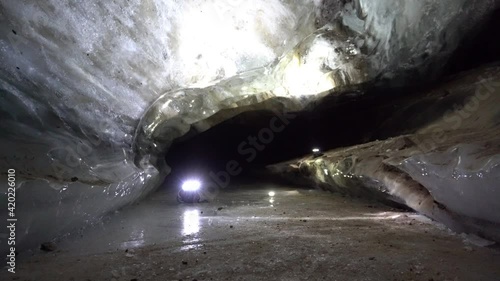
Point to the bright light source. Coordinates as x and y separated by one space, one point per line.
272 193
316 150
218 39
303 75
191 185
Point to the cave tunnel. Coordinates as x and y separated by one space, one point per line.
250 140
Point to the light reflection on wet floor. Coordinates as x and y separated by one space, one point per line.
183 227
191 222
190 229
160 219
136 241
270 230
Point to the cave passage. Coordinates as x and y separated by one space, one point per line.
255 139
250 140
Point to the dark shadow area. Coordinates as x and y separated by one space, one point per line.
249 140
477 48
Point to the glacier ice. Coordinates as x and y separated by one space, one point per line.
463 178
76 78
445 165
93 92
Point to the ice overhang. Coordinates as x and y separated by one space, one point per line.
93 92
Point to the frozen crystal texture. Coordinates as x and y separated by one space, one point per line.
76 78
322 61
79 81
462 178
412 37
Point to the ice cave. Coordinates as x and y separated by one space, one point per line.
250 140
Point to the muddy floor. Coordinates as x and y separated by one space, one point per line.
262 232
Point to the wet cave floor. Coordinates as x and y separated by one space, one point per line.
247 234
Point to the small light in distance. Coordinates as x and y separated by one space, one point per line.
272 193
316 150
191 185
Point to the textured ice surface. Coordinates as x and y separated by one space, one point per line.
446 165
462 178
455 187
326 59
323 60
413 37
77 77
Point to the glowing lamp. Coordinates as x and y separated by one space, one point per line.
191 185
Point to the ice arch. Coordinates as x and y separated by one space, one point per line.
77 78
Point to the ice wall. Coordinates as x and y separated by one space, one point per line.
413 39
463 178
76 77
443 162
79 81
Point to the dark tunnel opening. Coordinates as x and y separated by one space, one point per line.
372 180
346 118
255 139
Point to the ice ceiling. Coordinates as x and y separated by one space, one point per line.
94 92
